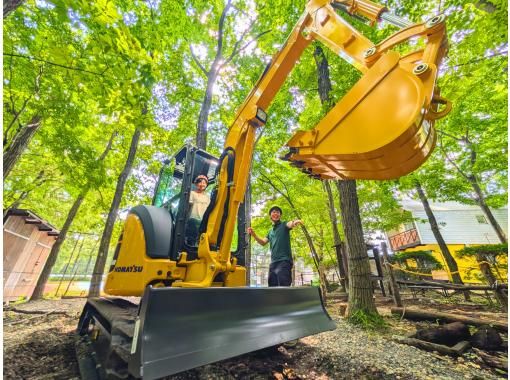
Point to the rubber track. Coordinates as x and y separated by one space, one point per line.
108 354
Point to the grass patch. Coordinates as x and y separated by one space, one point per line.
367 321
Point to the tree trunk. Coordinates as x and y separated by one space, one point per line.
456 350
345 262
491 280
395 291
336 234
430 315
97 275
450 261
55 249
360 289
11 5
201 139
20 143
316 259
480 199
324 89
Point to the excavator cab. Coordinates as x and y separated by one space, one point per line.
172 193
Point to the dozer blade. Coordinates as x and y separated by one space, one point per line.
179 329
381 129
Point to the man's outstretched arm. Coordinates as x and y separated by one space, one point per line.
261 241
294 223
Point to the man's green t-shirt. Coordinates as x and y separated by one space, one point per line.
279 241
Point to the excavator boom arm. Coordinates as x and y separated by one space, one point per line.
318 22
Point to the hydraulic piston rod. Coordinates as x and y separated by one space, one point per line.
371 11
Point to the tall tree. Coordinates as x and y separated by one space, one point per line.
324 88
220 61
473 138
20 142
470 175
450 261
55 249
360 289
336 236
104 245
11 5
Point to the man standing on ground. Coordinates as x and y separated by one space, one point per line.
281 253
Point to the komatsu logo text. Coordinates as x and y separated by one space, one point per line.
132 268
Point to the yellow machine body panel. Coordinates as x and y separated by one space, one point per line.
132 270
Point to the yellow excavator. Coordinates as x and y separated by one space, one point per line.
194 306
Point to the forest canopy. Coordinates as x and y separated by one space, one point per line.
80 78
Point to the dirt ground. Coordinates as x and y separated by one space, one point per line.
39 344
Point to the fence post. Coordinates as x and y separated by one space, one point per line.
393 282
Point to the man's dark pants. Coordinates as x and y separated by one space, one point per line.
280 273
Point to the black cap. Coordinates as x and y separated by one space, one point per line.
275 208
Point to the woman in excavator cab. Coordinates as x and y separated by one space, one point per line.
199 200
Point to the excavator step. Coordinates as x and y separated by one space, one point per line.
176 329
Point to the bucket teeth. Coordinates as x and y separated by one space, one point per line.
297 164
288 156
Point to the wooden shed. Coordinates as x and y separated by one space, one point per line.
27 244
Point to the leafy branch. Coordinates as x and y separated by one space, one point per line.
54 64
476 60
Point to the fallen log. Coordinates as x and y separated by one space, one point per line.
456 350
493 361
425 315
22 311
447 285
29 319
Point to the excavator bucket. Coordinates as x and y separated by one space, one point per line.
381 129
177 329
